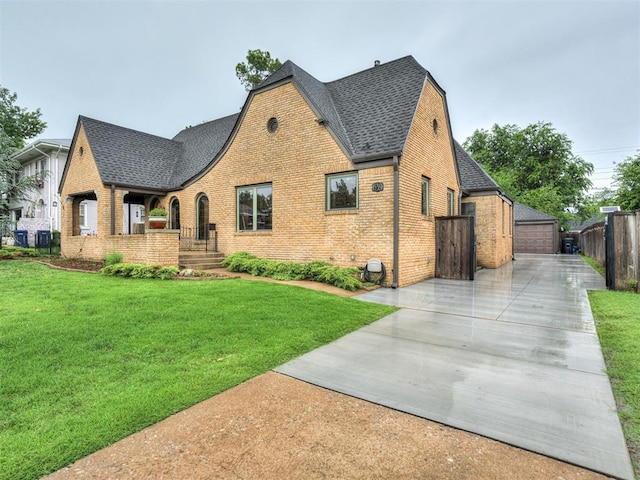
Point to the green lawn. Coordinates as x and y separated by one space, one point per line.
86 359
617 316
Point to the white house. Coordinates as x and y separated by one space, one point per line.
41 208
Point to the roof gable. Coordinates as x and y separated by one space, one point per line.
128 157
472 176
377 105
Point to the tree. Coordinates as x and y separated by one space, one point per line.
259 65
626 177
16 125
535 166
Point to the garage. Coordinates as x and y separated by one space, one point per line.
534 231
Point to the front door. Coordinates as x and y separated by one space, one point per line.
203 217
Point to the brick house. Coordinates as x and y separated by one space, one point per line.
483 198
342 171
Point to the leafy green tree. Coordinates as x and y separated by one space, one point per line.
535 166
626 177
601 198
259 65
17 124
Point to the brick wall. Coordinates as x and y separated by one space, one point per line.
295 160
494 244
428 153
159 247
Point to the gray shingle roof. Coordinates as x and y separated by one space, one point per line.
201 144
369 113
129 157
377 105
472 177
522 213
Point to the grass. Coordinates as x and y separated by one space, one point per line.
86 360
618 325
595 265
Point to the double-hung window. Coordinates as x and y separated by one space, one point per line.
342 191
425 197
254 207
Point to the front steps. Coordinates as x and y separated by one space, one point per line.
200 260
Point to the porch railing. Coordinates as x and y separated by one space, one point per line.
191 238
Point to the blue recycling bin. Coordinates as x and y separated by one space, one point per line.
43 238
22 238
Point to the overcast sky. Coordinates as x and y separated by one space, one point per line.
158 66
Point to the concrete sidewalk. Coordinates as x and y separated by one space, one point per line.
513 356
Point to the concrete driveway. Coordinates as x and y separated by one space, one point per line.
513 356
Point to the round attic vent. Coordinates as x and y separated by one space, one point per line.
272 125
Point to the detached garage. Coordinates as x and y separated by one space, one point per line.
534 231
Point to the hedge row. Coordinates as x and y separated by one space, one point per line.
136 270
317 270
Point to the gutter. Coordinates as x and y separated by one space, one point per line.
396 220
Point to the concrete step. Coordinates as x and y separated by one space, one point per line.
200 260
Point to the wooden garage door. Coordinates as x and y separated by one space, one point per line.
535 238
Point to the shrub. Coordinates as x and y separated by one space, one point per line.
317 270
15 252
113 258
137 270
236 262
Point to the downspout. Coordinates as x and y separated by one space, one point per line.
113 209
396 220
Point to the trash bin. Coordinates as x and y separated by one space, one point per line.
567 245
22 238
43 238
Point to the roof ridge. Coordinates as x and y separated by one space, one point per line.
120 127
386 65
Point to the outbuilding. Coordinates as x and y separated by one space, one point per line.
534 231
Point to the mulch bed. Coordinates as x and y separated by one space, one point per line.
73 264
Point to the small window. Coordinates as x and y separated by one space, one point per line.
342 191
451 202
254 207
272 125
425 197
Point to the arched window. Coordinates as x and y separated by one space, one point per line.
174 214
202 215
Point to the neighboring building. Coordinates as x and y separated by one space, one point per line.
483 198
41 209
342 171
534 231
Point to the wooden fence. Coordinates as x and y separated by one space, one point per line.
591 242
455 247
615 244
